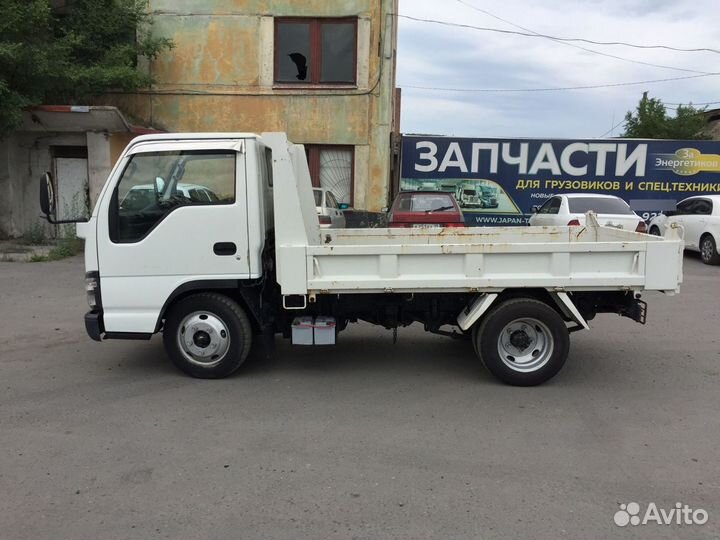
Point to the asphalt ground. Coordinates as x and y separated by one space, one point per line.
363 440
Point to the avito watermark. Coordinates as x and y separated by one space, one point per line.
680 514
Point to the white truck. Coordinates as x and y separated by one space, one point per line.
212 276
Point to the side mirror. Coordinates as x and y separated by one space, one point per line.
47 202
535 209
159 187
47 196
344 206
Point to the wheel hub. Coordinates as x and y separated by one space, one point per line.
520 340
204 338
707 249
525 345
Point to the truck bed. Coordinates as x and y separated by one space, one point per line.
477 259
492 259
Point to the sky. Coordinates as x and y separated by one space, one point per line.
432 55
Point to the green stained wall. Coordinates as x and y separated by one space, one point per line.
219 77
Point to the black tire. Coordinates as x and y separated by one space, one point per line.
708 250
235 343
655 231
532 317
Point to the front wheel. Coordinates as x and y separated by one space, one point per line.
522 342
655 230
207 335
708 250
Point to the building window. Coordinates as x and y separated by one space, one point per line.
315 51
333 168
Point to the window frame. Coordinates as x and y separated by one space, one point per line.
313 157
315 60
114 205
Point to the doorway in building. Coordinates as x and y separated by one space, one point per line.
70 169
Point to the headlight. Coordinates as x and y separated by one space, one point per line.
92 289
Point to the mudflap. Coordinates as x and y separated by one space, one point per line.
636 310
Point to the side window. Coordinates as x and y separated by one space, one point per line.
703 207
154 184
555 206
552 206
685 208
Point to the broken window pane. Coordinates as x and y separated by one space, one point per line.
293 54
338 53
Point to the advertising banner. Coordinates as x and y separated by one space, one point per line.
499 181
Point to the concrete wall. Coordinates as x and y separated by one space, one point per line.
7 189
26 156
219 77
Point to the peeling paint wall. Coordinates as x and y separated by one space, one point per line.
219 77
28 157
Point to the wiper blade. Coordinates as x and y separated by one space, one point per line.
442 208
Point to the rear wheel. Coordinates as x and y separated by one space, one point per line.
207 335
708 250
522 342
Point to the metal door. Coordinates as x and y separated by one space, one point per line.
72 188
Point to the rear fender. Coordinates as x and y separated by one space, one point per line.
474 311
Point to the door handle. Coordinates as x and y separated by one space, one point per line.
225 249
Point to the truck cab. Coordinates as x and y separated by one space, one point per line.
468 198
142 253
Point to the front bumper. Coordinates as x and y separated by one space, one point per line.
94 324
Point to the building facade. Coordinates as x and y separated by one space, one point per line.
78 145
321 70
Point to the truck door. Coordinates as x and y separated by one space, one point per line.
72 187
175 213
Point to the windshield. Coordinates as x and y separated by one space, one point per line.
470 192
599 205
424 202
318 197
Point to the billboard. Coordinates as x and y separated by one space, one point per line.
499 181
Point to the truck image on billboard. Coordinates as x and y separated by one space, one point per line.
499 181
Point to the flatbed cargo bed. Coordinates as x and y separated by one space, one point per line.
491 259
